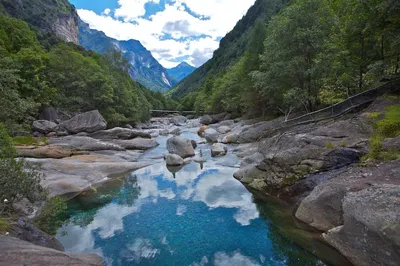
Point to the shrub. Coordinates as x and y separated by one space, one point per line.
4 225
18 179
52 215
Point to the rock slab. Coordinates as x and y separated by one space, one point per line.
87 122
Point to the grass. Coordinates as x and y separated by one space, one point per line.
388 127
330 145
25 141
374 115
4 225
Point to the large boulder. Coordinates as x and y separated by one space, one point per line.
230 138
14 251
391 144
211 135
136 144
44 126
218 149
180 146
370 233
173 160
218 117
206 120
223 129
87 122
178 120
120 133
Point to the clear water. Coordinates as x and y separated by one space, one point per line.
199 215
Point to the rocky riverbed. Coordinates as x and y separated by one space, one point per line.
315 167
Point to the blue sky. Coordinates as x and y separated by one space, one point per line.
173 30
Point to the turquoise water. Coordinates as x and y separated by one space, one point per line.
199 215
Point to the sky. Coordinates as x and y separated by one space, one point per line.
173 30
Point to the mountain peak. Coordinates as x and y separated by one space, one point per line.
184 64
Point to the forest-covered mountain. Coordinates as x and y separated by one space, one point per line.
231 47
144 68
298 55
41 65
180 72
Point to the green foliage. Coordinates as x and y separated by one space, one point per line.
330 145
29 140
388 127
52 215
18 179
4 225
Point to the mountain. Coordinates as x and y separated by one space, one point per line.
180 72
47 17
231 48
144 68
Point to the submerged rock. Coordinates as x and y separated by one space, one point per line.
87 122
17 252
180 146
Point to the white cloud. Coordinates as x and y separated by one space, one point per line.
192 36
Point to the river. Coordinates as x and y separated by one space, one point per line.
197 215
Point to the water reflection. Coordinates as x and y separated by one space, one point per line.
194 216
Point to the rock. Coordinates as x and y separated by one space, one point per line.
26 231
218 149
85 144
391 144
340 157
370 232
87 122
128 126
178 120
322 209
49 151
51 135
175 131
62 133
120 133
173 160
201 131
180 146
83 134
43 126
136 144
218 117
17 252
231 138
211 135
79 173
206 120
49 113
223 129
164 132
37 134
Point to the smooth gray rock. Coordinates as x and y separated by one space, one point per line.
175 131
87 122
230 139
174 160
218 149
223 129
180 146
120 133
211 135
14 251
44 126
136 144
206 120
218 117
370 234
178 120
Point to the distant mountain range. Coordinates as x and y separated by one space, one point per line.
180 72
144 68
